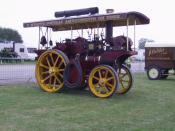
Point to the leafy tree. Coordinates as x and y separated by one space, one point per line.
143 41
8 34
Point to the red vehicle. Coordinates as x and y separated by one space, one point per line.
97 61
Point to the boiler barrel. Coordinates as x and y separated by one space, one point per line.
92 10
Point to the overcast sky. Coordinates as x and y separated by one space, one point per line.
161 13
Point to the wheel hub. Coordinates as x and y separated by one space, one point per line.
153 73
102 82
53 70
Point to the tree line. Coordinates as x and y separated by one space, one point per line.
7 34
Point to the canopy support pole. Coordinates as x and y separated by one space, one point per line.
81 32
71 34
134 33
127 23
47 37
39 37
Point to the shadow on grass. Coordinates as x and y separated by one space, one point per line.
86 93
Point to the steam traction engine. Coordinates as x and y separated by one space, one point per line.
77 62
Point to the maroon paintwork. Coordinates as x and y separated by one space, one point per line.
114 54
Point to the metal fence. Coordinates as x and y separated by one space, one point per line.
16 71
24 72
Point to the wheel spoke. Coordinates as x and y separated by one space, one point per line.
105 88
61 75
46 78
44 66
51 56
50 80
110 78
110 85
122 75
48 62
58 80
56 61
61 62
94 77
106 74
99 73
54 83
45 72
125 81
122 85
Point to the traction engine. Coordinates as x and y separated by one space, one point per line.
97 62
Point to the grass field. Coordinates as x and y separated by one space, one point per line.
149 106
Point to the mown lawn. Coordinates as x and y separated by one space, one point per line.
149 106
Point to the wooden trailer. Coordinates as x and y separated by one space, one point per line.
159 60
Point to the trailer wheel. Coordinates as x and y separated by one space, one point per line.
49 70
103 81
125 80
153 73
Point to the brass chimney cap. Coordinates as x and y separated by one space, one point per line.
109 11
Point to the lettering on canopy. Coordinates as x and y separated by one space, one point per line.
69 21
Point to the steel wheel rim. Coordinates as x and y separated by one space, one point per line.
153 73
125 79
49 70
102 84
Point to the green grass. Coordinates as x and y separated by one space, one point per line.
149 106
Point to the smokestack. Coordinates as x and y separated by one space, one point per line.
109 26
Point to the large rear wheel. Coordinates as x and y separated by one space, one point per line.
103 81
49 70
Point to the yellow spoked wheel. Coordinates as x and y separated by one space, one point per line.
103 81
49 70
125 80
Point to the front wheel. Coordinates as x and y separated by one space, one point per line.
103 81
125 79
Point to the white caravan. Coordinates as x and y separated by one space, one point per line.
23 52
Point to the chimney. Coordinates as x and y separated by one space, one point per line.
109 27
109 11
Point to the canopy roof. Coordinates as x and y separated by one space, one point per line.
92 21
152 44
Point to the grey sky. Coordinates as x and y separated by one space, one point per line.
161 13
